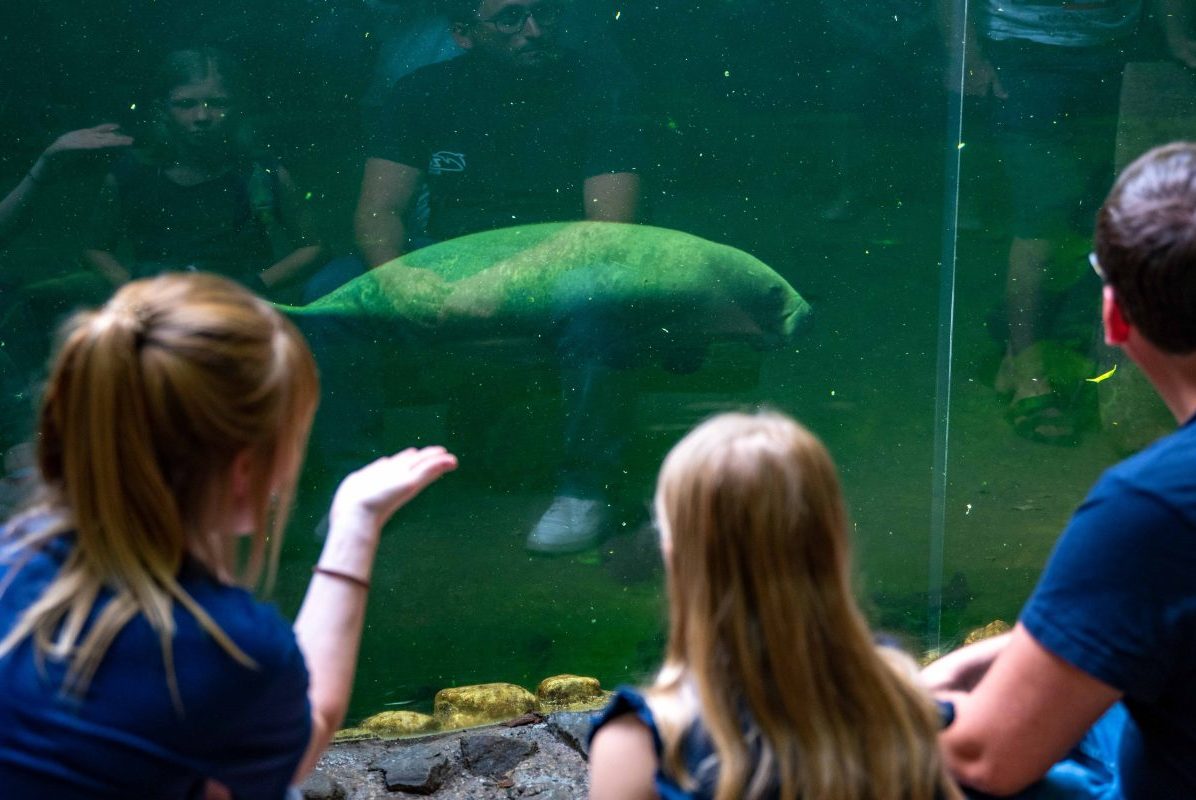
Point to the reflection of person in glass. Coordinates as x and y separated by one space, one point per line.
518 130
515 131
102 139
1112 618
1054 69
201 195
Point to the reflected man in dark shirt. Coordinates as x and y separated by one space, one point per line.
515 131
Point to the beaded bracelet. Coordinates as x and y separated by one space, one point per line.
344 576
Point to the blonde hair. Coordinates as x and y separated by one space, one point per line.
150 400
766 643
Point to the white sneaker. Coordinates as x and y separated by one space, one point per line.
570 524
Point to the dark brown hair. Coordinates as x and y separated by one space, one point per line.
1146 245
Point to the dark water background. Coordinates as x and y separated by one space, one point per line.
759 114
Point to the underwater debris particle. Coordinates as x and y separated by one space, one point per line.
666 330
307 196
961 145
617 15
967 510
832 392
1104 376
132 106
726 73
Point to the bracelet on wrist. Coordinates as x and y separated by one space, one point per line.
344 576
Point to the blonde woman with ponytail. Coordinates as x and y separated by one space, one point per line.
134 661
772 686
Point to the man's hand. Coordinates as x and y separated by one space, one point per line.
1029 709
962 669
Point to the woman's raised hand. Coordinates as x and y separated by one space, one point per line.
373 493
101 137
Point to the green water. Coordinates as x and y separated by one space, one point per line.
758 119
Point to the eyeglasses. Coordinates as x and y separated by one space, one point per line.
513 19
1096 267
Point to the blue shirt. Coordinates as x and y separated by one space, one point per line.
247 728
697 748
1118 601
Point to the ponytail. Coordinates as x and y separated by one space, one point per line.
150 400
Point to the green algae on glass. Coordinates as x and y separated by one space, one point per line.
658 287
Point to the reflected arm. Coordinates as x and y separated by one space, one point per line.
612 197
1175 17
297 223
100 138
980 78
1030 708
387 192
17 202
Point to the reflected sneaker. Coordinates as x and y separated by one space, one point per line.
570 524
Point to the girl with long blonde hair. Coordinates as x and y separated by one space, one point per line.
772 686
134 662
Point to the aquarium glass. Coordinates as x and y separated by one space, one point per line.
922 174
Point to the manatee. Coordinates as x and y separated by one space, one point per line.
654 288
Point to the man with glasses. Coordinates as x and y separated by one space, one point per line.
516 131
1104 653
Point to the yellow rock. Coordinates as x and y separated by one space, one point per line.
390 724
994 628
572 692
465 706
352 735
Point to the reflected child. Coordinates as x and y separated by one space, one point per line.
199 193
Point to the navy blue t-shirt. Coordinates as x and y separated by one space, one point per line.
1118 601
247 728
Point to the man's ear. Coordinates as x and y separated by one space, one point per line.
461 35
1117 328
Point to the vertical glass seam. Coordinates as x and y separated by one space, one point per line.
946 329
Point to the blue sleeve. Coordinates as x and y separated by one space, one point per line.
1117 592
262 726
626 701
